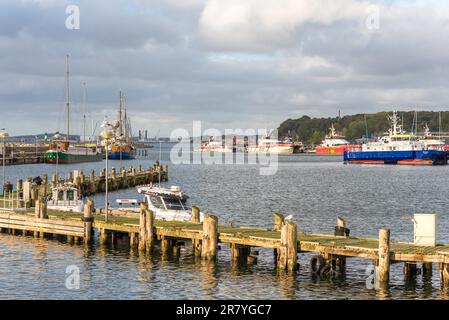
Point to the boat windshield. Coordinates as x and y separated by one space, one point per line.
174 204
168 203
157 202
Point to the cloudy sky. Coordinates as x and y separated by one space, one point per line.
228 63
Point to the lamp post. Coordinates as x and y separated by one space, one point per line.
106 135
3 135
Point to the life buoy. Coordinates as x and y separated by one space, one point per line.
316 264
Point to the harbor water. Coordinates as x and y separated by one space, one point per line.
314 189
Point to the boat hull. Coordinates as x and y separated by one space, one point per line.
408 157
121 156
332 150
276 149
62 157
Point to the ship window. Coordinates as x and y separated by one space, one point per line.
173 204
70 195
157 202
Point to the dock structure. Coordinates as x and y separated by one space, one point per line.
28 192
143 232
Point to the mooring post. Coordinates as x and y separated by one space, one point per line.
54 180
166 245
103 236
88 219
37 214
43 208
340 230
444 275
427 268
132 239
149 215
196 219
278 221
384 256
142 230
409 270
41 203
288 250
240 253
44 185
210 237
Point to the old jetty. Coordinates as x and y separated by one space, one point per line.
28 191
143 232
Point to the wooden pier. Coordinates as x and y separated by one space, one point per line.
143 232
28 192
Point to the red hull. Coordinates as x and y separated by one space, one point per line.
337 150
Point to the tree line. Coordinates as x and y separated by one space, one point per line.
313 130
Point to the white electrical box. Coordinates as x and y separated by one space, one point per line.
425 233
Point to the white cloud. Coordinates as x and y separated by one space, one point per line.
267 24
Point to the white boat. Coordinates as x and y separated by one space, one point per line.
214 146
65 198
430 141
167 204
268 145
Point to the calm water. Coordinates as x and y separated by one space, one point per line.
313 189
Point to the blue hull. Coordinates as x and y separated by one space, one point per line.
120 156
397 157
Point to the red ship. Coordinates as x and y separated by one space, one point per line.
333 144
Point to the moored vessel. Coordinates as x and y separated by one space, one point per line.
333 144
170 204
214 146
65 151
398 147
121 147
275 146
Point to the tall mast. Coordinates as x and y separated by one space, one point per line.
120 115
84 111
68 97
125 119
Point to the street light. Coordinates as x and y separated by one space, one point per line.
106 135
3 135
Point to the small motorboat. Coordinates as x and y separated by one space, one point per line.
170 204
65 198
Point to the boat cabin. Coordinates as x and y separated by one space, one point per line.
65 198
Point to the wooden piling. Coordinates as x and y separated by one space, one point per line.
444 275
210 237
384 256
166 245
149 232
142 230
195 214
278 221
196 243
409 270
239 253
132 239
88 219
103 236
427 269
288 249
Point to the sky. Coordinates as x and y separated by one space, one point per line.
228 63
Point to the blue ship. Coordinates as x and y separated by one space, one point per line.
121 156
399 148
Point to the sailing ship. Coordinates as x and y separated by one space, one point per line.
122 147
64 151
398 147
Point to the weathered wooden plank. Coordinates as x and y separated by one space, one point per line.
41 223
